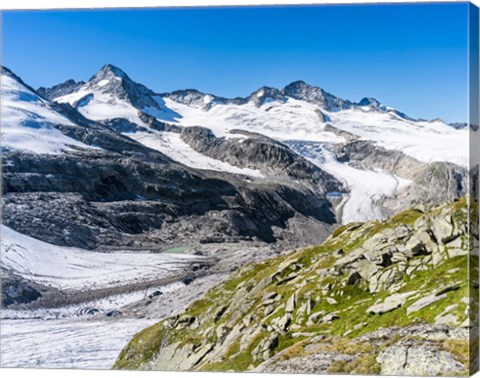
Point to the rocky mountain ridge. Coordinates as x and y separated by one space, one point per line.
120 191
135 92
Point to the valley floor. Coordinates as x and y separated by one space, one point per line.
93 303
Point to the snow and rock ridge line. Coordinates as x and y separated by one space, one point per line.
301 116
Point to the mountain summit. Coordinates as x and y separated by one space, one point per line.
109 70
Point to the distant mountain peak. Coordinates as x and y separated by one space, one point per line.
109 74
369 101
110 69
300 90
265 94
298 83
61 89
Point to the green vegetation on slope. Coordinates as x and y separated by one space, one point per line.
410 269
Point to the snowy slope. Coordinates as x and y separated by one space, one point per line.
73 268
98 105
423 140
292 119
106 96
299 120
66 343
26 120
172 145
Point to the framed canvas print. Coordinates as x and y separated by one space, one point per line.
252 188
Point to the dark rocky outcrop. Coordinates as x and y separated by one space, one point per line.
93 198
367 155
60 90
265 154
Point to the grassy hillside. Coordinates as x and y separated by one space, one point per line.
343 306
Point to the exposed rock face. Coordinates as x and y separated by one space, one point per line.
367 155
303 91
262 153
439 182
86 200
413 358
432 184
347 306
265 94
59 90
16 290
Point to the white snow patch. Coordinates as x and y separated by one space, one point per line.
425 141
75 268
296 119
103 82
66 343
284 121
102 106
207 99
172 145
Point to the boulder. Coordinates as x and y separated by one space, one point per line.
418 360
442 228
424 302
291 303
390 303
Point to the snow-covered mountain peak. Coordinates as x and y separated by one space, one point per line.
109 72
112 79
111 93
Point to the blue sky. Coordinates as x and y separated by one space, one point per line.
409 56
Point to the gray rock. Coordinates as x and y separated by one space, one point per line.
390 303
291 303
424 302
418 360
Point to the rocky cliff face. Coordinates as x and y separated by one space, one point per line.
257 151
95 198
387 297
61 89
367 155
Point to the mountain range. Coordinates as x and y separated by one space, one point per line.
358 160
113 189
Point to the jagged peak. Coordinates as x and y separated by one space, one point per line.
188 91
114 70
109 72
297 83
264 90
369 101
300 87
